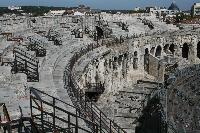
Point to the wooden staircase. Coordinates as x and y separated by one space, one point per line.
25 63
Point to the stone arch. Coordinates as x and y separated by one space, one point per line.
115 58
115 63
120 59
185 50
99 32
105 63
198 50
166 48
158 51
146 51
146 60
125 55
152 50
135 53
172 48
135 60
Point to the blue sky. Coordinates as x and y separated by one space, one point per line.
102 4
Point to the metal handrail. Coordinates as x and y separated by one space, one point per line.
100 118
35 95
24 53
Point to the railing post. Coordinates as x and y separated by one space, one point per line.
97 129
92 112
69 80
26 67
69 121
100 121
42 117
76 128
54 114
85 104
20 125
110 126
31 109
77 97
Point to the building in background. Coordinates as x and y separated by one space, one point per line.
173 9
14 8
196 9
56 12
137 9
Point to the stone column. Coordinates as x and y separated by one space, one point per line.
135 62
192 56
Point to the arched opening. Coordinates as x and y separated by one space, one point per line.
115 63
115 58
198 50
125 55
172 48
152 50
151 119
135 53
146 51
135 60
166 47
120 59
146 60
158 51
185 50
94 90
99 32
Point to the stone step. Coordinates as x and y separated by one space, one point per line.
130 99
130 130
136 91
128 106
127 126
127 115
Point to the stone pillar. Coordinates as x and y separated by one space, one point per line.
146 63
115 64
192 56
135 63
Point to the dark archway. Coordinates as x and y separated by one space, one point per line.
158 51
135 53
99 32
152 50
146 51
151 120
146 60
166 47
172 48
185 50
198 50
135 60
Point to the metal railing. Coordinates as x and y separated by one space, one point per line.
25 63
88 109
55 118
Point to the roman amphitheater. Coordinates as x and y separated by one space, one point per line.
106 73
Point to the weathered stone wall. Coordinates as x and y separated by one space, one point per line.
156 68
127 70
183 95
